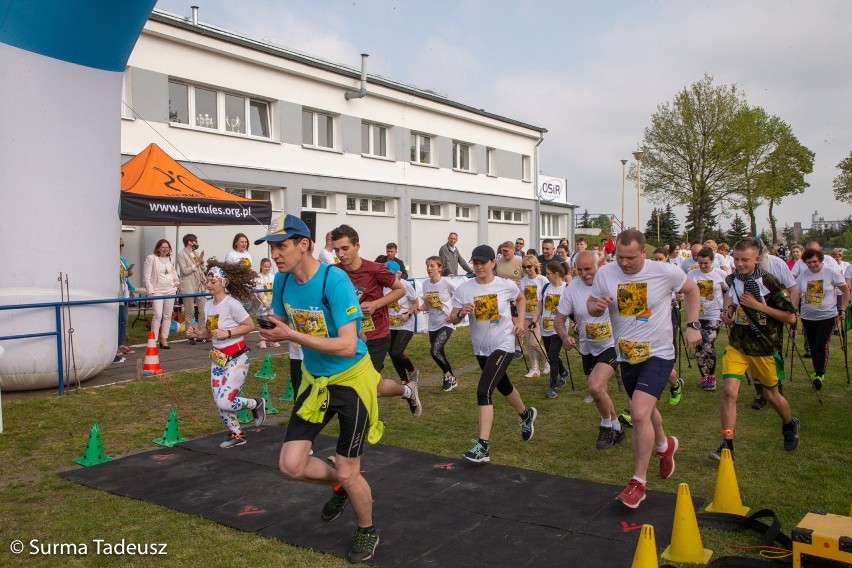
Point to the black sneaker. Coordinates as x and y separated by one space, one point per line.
717 455
479 453
791 434
617 435
233 440
259 411
759 403
528 423
449 383
414 400
334 506
606 438
364 545
817 382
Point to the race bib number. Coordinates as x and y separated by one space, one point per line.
740 317
634 352
367 324
598 331
394 306
547 323
396 321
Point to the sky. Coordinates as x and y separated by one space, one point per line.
592 72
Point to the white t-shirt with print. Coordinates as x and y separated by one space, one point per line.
641 308
800 266
551 298
818 294
690 263
710 288
531 287
227 314
438 301
595 332
779 269
397 308
491 321
234 257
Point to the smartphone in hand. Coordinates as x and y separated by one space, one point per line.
265 323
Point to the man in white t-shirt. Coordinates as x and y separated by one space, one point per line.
637 292
691 262
326 254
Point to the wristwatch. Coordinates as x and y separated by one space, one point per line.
694 325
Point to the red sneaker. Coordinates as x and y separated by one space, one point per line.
633 494
667 463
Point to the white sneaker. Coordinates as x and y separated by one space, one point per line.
533 374
546 370
588 398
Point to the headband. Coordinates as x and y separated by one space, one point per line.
217 274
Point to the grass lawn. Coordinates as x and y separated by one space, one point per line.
43 434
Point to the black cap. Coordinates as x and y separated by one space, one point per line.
482 253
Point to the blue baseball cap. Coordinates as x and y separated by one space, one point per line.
393 266
285 227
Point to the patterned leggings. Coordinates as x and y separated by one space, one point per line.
226 383
439 339
705 355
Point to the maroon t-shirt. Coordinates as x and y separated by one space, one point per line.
370 280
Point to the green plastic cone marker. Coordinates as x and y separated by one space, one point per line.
171 434
264 394
288 394
94 453
266 372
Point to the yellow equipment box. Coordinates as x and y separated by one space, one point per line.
822 538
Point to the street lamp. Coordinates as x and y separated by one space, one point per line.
623 165
638 155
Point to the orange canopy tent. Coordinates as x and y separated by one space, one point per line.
156 190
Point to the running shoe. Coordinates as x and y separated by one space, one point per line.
676 393
717 455
817 382
414 400
259 412
414 376
334 506
527 422
633 494
791 434
449 383
533 374
606 438
626 419
711 383
364 543
550 393
546 369
233 440
617 435
478 453
667 462
588 398
758 403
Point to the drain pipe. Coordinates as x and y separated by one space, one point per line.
194 15
362 92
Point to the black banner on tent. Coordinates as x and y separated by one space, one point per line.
158 210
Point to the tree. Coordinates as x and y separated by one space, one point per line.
789 237
689 156
584 220
737 231
843 181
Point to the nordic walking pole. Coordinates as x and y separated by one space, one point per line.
570 372
806 370
521 347
842 335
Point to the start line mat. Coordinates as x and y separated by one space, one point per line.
429 510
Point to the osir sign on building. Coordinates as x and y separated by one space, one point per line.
552 189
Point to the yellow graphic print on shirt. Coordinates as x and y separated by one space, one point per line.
550 302
740 317
632 298
396 321
245 262
814 293
485 308
705 288
394 306
547 323
634 351
599 331
531 296
367 324
212 323
433 300
267 295
310 322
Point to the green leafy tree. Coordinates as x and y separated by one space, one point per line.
584 220
789 236
843 181
737 231
690 153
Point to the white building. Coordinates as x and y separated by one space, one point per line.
400 164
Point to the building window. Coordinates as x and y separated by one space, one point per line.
506 215
421 148
461 156
464 212
526 168
489 161
374 140
423 209
358 204
314 202
549 225
202 107
317 129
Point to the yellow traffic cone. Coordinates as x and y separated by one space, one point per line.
646 549
726 497
686 543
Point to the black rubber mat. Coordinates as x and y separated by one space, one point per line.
429 510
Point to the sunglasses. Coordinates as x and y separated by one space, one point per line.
527 265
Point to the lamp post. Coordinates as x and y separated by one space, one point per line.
638 155
623 165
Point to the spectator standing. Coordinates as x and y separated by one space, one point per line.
519 247
326 254
192 278
390 255
124 273
450 257
240 251
161 279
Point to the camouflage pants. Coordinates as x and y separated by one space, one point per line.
705 355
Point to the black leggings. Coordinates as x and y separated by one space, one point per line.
553 346
439 339
401 362
295 374
818 333
493 376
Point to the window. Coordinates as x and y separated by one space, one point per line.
423 209
526 168
549 225
461 156
202 107
357 204
374 140
464 212
421 149
506 215
317 129
489 161
315 201
250 193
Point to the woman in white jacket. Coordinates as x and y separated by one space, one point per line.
161 279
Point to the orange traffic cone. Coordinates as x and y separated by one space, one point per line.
152 358
686 543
